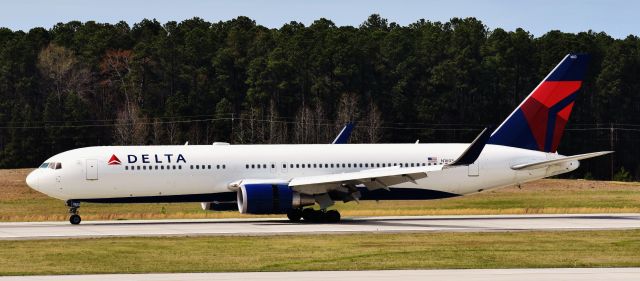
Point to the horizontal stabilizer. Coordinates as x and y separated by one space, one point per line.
471 154
542 164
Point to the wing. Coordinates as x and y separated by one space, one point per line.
372 179
542 164
383 178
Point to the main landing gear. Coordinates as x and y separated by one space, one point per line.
311 215
73 210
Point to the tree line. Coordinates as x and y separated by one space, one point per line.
87 83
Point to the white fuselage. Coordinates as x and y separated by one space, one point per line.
156 171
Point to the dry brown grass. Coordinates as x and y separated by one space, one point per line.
550 196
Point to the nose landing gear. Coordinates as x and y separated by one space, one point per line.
73 210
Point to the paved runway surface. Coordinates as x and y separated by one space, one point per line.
52 230
566 274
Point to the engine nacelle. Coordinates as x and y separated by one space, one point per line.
259 198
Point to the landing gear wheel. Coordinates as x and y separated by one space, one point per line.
75 219
309 215
294 215
320 216
73 210
332 216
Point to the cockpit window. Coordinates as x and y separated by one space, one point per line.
51 165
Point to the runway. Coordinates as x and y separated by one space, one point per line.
212 227
552 274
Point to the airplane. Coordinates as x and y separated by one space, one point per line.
292 179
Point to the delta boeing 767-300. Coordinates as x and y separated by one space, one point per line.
291 179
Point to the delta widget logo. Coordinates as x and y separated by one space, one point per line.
114 160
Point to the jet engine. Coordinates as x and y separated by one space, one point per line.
258 198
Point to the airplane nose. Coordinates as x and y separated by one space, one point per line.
32 180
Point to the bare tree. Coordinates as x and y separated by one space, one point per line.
172 132
303 125
130 128
348 111
373 122
115 66
63 69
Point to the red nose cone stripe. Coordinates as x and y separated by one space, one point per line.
114 160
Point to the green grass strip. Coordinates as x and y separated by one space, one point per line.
322 252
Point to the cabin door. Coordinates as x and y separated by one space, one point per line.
92 169
474 169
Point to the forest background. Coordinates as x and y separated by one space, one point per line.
87 83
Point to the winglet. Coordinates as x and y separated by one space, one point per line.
343 136
472 152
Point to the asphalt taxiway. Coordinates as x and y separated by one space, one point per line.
550 274
212 227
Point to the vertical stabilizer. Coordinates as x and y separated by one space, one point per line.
539 121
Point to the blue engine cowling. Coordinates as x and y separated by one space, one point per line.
266 198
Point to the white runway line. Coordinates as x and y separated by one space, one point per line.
547 274
209 227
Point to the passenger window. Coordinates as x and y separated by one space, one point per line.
209 167
174 167
253 166
273 166
314 165
366 165
218 167
264 166
179 167
302 165
224 166
191 167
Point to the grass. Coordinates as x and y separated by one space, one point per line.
322 252
20 203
